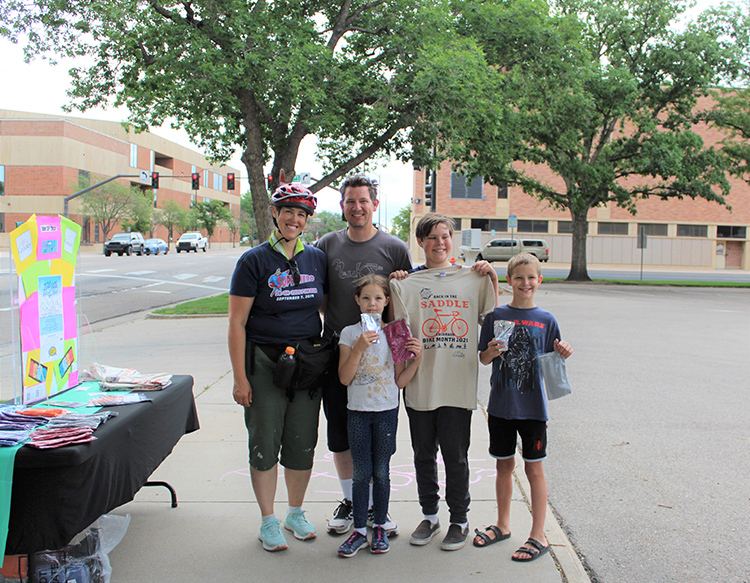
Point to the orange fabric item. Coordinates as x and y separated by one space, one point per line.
44 412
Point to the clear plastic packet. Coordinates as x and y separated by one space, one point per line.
555 375
503 329
397 334
371 323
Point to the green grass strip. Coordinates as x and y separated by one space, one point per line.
213 305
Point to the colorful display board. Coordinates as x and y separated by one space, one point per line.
44 251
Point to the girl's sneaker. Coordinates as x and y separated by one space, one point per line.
355 542
379 542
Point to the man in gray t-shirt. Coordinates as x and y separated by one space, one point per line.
359 249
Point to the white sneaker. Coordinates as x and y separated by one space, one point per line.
390 527
343 519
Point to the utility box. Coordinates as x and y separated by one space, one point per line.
471 238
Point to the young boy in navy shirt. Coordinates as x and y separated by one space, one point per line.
517 400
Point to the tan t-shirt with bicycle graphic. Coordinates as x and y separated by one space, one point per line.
444 308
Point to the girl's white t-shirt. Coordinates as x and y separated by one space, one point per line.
374 385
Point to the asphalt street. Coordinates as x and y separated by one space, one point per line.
647 464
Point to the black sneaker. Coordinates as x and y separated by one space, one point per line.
343 519
424 533
455 539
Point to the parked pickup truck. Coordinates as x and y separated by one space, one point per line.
192 241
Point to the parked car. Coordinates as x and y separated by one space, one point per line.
504 249
192 242
156 247
126 243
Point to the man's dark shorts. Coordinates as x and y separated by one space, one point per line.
334 404
503 438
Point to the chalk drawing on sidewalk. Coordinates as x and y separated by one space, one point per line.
324 479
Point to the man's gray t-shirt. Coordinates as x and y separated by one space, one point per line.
348 261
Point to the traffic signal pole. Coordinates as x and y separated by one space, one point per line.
155 176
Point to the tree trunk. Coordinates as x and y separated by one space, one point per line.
578 267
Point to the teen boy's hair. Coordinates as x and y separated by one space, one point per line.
429 222
356 180
372 279
524 259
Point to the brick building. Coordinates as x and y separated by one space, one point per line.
43 156
688 233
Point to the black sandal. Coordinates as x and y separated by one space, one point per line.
487 540
533 548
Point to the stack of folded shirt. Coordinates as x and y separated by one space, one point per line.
45 438
15 428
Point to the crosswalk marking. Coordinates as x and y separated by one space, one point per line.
183 276
213 278
140 272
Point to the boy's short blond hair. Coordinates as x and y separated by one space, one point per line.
429 222
524 259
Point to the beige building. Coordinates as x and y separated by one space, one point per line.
43 156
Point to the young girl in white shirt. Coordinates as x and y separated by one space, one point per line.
366 366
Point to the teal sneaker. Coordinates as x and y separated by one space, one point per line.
271 536
297 523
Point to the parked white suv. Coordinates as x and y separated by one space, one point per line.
192 241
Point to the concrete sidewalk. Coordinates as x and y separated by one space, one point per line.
213 532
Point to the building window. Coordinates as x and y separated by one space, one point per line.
531 226
460 188
731 232
2 222
153 160
490 224
653 229
217 181
692 231
134 155
502 190
612 228
206 176
2 180
564 226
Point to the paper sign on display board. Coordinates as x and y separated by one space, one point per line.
44 251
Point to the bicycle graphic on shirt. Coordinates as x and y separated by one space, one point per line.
436 325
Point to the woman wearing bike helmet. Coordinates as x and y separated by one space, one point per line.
276 291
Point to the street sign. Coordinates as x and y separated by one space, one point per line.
144 177
513 222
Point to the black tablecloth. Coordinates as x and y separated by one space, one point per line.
59 492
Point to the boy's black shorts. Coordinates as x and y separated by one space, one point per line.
503 438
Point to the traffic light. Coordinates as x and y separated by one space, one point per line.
230 181
269 181
154 180
430 178
195 179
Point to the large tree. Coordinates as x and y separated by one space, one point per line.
263 75
603 94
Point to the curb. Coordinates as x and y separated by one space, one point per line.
563 552
152 316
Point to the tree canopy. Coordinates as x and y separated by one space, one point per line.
260 76
604 95
109 204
